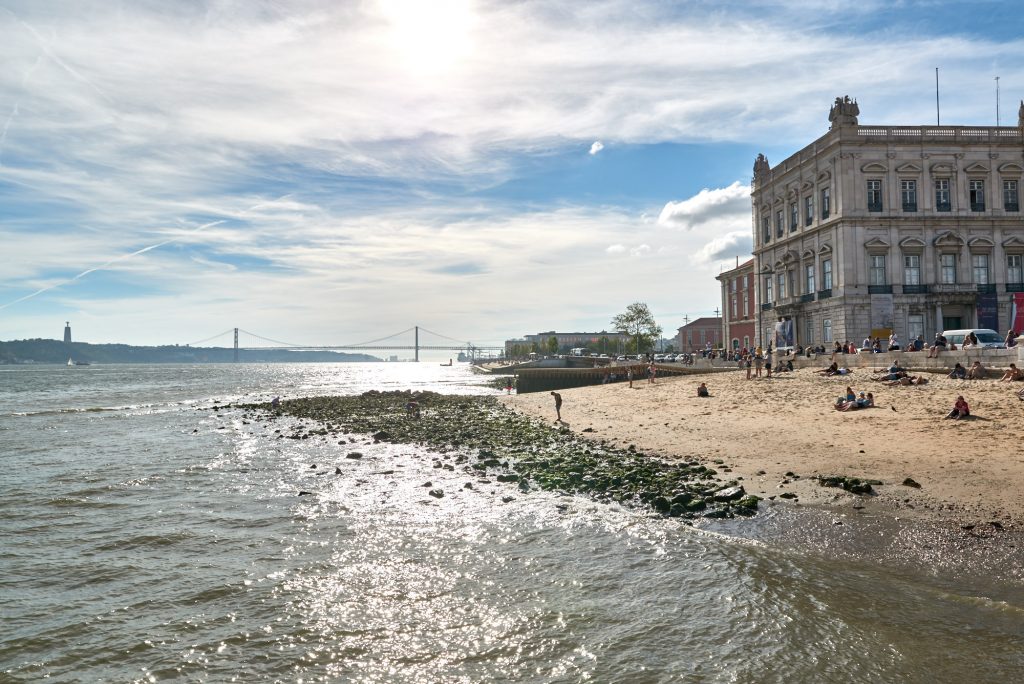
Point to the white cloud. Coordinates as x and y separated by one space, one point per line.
708 205
639 250
725 248
616 249
596 147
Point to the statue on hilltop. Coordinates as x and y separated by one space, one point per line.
844 112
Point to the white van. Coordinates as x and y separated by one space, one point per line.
987 339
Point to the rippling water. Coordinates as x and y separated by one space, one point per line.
146 538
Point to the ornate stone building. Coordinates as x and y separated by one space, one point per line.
870 229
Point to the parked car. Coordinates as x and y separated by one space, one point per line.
987 338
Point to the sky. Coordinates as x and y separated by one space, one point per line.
331 172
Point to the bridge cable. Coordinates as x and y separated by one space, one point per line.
443 336
195 344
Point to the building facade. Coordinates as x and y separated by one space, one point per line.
697 335
872 229
739 306
600 342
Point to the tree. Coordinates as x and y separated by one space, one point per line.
553 344
638 322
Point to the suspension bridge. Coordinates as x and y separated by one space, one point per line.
393 342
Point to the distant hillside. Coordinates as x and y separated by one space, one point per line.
55 351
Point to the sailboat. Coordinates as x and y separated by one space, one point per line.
72 362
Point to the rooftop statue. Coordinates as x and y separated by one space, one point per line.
761 165
1020 115
844 112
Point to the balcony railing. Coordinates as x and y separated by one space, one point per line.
910 206
879 289
809 297
943 206
825 294
977 206
915 289
874 206
989 288
1015 287
1011 206
766 306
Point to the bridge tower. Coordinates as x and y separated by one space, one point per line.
236 345
416 343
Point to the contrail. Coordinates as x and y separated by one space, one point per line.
136 253
14 109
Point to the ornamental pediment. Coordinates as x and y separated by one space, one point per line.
823 176
980 242
808 255
911 243
949 238
825 249
942 168
1011 167
874 167
790 256
807 185
876 243
909 168
977 167
1014 242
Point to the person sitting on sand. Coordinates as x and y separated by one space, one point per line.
960 409
850 396
865 401
977 372
851 402
702 390
831 370
958 372
1011 339
1012 374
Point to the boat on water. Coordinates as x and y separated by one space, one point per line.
72 362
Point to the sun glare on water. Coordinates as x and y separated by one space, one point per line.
429 37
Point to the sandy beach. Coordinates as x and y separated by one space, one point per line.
777 434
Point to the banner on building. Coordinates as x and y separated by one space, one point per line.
881 312
988 310
1016 313
784 334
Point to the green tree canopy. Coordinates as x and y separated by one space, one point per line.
638 322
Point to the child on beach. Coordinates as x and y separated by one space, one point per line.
960 409
702 390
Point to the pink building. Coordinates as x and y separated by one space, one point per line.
696 335
738 305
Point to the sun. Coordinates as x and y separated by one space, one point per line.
430 37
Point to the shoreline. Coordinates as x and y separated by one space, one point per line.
775 436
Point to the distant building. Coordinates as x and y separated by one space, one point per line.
596 341
871 229
695 336
67 332
739 305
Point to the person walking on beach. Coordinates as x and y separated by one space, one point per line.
758 361
768 361
558 406
651 372
629 374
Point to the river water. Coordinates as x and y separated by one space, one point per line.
147 538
